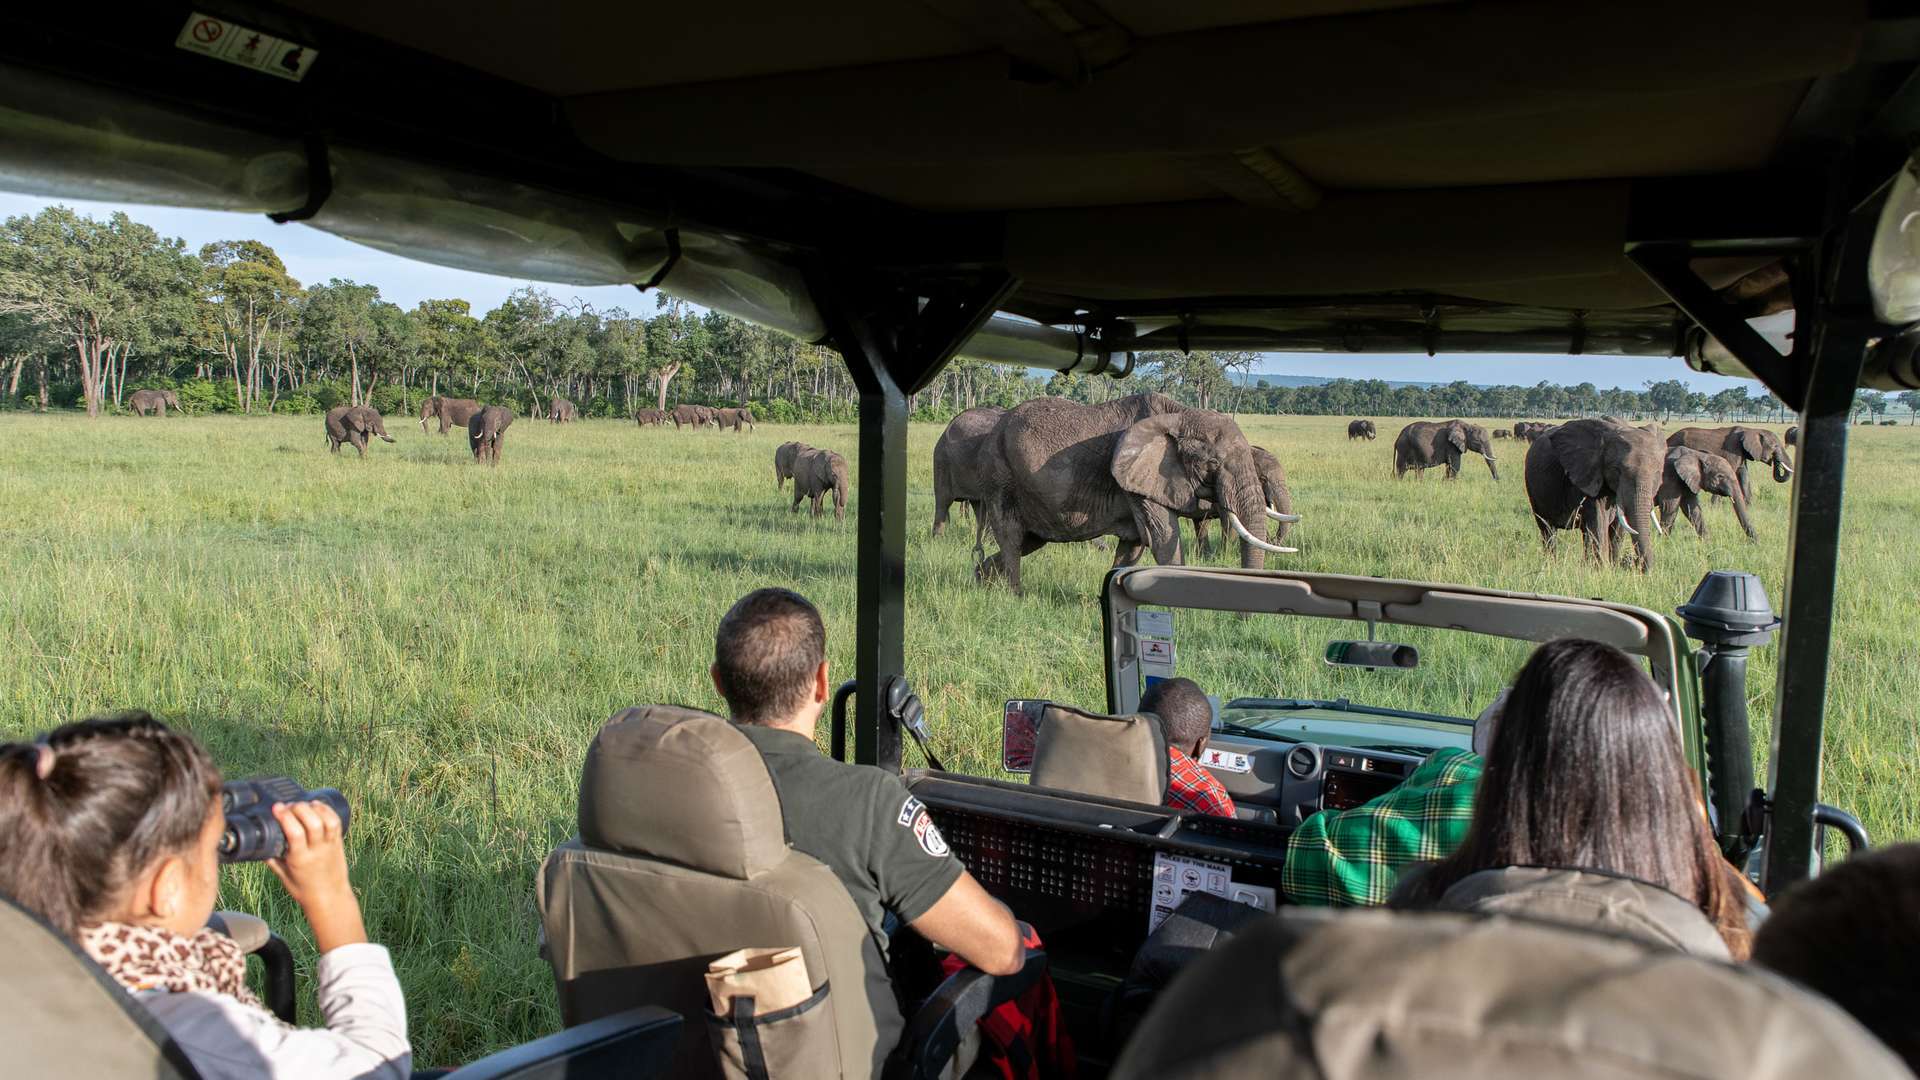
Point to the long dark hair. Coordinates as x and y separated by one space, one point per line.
88 806
1586 772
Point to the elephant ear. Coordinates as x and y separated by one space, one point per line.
1582 459
1457 435
1751 444
1685 464
1146 463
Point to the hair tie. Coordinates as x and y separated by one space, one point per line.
43 760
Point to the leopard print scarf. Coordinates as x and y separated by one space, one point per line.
152 958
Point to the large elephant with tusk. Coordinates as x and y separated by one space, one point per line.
1597 476
1062 472
1273 482
1736 446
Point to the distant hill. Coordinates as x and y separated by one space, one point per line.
1255 378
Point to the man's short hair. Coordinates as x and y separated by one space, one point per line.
1852 935
768 647
1182 708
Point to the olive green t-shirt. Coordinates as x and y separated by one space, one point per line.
861 822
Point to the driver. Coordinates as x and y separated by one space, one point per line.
1187 716
1354 857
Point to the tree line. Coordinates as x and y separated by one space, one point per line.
91 310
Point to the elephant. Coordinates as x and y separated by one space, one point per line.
783 458
1063 472
453 412
1591 474
1273 481
1687 473
1793 435
1425 443
960 465
485 429
694 416
1361 429
707 415
643 417
1529 430
562 411
352 424
1736 446
816 473
1502 433
156 400
733 418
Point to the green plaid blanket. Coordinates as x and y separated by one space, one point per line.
1346 858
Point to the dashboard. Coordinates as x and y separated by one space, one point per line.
1299 779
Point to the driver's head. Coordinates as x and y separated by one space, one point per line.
770 659
1183 710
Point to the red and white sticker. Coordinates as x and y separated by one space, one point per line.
1226 760
245 46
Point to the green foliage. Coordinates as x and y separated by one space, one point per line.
204 396
391 400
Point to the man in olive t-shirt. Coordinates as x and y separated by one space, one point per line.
770 664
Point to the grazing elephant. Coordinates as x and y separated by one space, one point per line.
783 458
733 418
1361 429
643 417
1425 443
562 411
1736 446
485 429
817 472
706 416
1529 430
1273 481
352 424
453 412
1689 472
1502 433
961 464
1793 435
1591 474
156 400
1130 468
687 416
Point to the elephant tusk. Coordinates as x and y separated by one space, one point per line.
1622 515
1233 520
1278 516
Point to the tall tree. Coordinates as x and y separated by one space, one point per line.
340 315
249 291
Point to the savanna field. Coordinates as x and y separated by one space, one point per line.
440 640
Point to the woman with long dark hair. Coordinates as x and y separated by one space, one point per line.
1586 771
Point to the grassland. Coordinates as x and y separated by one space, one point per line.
440 640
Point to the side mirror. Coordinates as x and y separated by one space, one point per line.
1019 727
1380 655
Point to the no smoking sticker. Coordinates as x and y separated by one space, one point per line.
247 47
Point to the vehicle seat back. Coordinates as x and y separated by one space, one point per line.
682 858
66 1017
1587 900
1116 757
1375 994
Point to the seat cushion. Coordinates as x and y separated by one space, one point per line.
1595 901
1117 757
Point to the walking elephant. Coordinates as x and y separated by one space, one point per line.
783 458
1592 474
352 424
1426 443
1361 429
1736 446
157 401
453 412
1502 433
485 431
1688 472
643 417
1529 430
733 418
961 468
1273 482
562 411
815 474
693 416
1130 468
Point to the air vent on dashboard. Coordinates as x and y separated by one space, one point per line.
1303 760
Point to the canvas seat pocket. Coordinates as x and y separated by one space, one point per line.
798 1041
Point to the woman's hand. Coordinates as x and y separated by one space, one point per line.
314 871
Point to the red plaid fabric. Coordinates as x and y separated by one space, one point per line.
1192 787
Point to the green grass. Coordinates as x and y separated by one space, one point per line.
441 640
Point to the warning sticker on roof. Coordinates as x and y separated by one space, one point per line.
246 47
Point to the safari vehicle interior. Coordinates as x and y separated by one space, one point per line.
1062 185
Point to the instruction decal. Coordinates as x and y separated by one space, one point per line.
249 48
1226 760
1175 877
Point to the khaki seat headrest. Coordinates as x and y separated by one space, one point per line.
1115 757
1381 995
1588 900
681 785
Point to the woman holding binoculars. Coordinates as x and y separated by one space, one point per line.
111 830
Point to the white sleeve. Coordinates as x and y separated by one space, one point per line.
365 1036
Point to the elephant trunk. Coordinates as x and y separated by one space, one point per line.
1243 500
1493 469
1638 508
1782 471
1740 511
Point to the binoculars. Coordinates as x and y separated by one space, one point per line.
252 834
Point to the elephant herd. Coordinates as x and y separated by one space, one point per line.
815 474
696 417
1052 471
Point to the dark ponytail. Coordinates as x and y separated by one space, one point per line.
88 806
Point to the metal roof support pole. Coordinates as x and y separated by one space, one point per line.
892 346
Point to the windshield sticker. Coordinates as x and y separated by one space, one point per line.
1152 623
1226 760
246 47
1175 877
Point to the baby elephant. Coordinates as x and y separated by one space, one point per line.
485 429
815 473
1688 472
352 424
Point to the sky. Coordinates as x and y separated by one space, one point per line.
315 257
